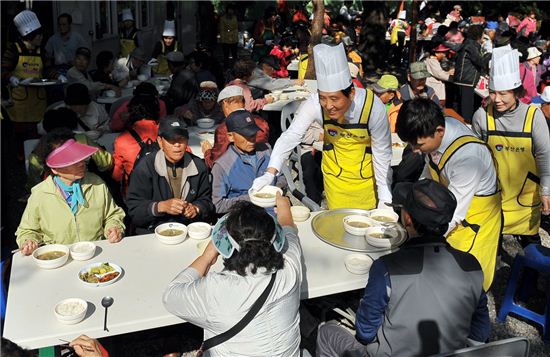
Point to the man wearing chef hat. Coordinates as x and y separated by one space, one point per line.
517 134
166 45
129 34
357 142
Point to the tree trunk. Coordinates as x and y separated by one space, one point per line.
316 33
372 40
412 44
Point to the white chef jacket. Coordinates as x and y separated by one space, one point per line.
310 111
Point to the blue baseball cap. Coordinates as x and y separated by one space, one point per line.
543 98
226 245
491 25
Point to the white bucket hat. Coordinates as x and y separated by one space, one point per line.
402 15
26 22
127 15
331 67
169 28
504 73
533 52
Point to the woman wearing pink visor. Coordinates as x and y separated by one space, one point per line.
71 205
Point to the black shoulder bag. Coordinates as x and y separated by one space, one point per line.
221 338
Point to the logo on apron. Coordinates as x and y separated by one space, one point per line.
499 147
332 132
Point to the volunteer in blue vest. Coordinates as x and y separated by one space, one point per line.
168 44
518 137
357 142
129 33
462 162
24 62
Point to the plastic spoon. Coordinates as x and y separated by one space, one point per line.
106 302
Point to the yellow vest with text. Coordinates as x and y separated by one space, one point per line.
302 65
347 167
479 232
127 45
29 102
518 174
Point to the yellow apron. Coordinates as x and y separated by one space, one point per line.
481 228
518 175
29 102
162 68
347 168
127 45
302 65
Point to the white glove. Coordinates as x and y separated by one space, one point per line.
153 62
14 81
62 78
262 181
26 81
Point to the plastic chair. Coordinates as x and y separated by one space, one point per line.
28 147
536 257
510 347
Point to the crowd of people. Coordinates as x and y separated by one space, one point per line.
473 170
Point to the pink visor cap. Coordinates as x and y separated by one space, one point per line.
69 153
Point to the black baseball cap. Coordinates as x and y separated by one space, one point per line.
241 122
427 201
272 61
172 127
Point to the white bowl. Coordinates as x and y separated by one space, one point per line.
110 94
384 215
52 263
71 311
382 242
358 263
171 239
300 213
199 230
264 201
358 231
142 77
205 123
82 250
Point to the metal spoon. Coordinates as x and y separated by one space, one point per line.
106 302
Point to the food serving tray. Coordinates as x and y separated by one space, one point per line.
42 83
329 227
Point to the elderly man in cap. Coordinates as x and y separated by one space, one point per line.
456 158
416 86
172 185
231 99
427 298
129 34
357 142
79 74
132 67
242 162
262 76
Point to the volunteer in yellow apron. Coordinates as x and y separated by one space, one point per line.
518 136
357 142
128 36
481 228
163 47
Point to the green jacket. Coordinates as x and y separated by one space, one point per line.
48 217
102 159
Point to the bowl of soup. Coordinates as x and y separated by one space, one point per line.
51 256
357 224
384 215
381 237
266 197
71 311
205 123
171 233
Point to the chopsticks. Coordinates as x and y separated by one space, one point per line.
18 249
66 345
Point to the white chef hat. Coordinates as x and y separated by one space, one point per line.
402 15
331 68
504 74
127 15
169 28
26 22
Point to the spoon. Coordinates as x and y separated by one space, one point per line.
106 302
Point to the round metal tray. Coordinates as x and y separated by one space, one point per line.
329 227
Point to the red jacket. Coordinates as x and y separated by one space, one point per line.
127 148
221 142
118 122
284 60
